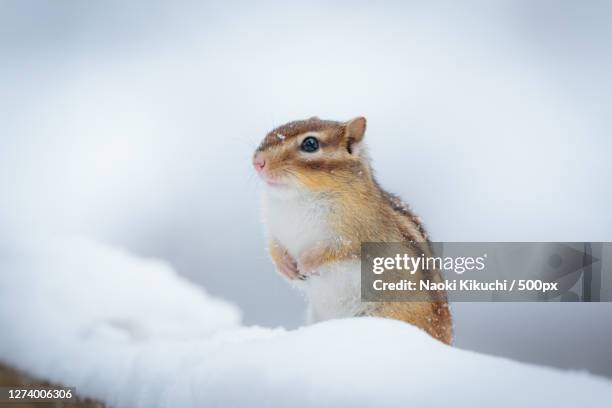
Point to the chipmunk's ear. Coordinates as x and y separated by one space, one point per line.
355 130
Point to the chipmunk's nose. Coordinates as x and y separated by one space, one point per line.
259 162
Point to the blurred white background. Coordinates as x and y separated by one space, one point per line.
134 122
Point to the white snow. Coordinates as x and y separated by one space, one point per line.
132 333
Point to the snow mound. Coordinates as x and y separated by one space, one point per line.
132 333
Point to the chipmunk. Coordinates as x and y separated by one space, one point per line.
321 201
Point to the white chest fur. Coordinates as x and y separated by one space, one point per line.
298 221
335 292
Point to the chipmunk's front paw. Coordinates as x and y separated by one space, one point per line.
310 261
287 266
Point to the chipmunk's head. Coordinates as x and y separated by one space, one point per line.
315 154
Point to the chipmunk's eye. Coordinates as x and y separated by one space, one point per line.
310 144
